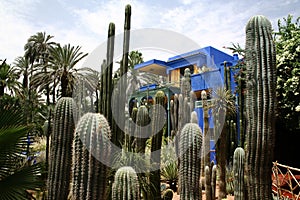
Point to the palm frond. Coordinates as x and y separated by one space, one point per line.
16 185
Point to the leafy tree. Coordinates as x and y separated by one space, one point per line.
288 72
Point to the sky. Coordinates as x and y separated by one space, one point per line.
85 22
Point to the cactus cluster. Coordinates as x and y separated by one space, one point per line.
61 148
238 170
210 181
91 145
260 101
190 144
126 185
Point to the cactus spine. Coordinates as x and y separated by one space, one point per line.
126 185
238 170
92 143
261 85
168 194
61 148
158 118
190 144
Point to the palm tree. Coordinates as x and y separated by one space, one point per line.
63 61
16 175
8 79
21 66
37 51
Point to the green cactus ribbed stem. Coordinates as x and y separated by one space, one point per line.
206 129
158 117
213 181
238 170
194 117
190 144
176 112
91 145
109 68
261 106
180 112
168 194
185 85
119 107
102 87
126 185
142 120
208 183
65 114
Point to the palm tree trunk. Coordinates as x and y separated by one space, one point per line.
64 85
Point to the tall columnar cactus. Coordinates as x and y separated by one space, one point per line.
142 120
91 145
261 85
213 181
158 118
208 188
65 114
119 105
168 194
206 148
185 85
238 170
126 185
190 144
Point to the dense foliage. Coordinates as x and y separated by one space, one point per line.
288 72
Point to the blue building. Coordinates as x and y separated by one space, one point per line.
207 66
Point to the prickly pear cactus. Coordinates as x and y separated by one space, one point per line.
190 144
238 170
65 114
260 101
92 145
126 185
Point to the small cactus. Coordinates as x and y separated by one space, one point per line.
92 143
168 194
65 114
238 170
190 144
126 185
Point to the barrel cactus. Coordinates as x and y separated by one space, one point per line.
126 185
91 144
238 170
190 144
260 101
61 148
